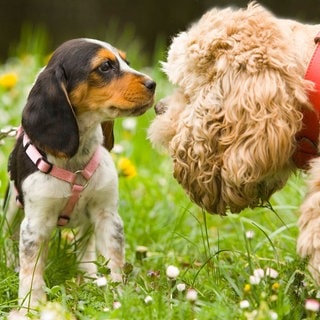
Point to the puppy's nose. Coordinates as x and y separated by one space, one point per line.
150 84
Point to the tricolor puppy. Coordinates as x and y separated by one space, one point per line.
62 174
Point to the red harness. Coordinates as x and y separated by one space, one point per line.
46 167
307 138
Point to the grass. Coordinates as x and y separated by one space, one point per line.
216 257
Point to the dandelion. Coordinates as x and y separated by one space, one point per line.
126 168
8 80
312 305
172 272
148 299
275 286
272 273
247 288
244 304
192 295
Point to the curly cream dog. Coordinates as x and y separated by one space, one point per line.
62 174
233 125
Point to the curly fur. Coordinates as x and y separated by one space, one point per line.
230 126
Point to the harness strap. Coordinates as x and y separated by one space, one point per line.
47 167
87 172
313 74
307 138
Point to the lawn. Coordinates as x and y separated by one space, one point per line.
182 263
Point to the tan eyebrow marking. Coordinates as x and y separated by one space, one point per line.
122 54
102 54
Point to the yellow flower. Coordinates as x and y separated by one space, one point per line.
126 168
247 288
275 286
8 80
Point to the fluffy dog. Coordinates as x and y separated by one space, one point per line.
235 126
62 174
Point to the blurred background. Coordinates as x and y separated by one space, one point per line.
148 20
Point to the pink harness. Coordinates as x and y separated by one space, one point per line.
46 167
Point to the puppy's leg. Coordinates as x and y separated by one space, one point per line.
34 238
12 214
110 241
308 244
10 224
87 253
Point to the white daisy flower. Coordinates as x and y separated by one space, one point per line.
172 272
272 273
129 124
148 299
192 295
101 282
181 287
244 304
312 305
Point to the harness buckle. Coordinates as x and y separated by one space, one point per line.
44 165
80 173
63 220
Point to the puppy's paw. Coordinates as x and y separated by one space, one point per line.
17 315
116 277
308 243
161 107
308 246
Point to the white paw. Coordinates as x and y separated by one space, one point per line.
17 315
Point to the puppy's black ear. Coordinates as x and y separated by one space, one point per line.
48 117
107 129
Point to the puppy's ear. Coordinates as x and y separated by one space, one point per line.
48 117
107 129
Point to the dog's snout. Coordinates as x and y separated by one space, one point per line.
150 84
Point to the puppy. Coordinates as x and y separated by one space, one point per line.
62 174
242 117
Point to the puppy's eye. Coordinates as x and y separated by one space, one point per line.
105 67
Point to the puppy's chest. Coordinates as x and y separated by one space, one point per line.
48 196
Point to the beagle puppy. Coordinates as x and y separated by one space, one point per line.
62 174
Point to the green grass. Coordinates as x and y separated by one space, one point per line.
215 256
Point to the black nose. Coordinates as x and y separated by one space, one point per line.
150 84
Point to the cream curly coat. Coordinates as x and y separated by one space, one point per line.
230 126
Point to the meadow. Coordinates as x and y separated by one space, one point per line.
182 263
